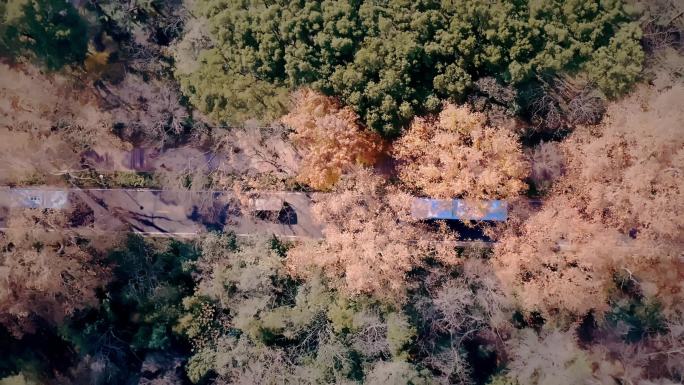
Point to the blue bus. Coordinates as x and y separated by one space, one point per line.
460 209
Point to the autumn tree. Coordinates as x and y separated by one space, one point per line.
46 272
627 180
558 261
330 139
48 129
458 155
371 240
604 247
627 170
615 212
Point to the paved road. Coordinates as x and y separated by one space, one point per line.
164 213
172 213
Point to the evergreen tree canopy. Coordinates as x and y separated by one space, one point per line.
393 59
51 29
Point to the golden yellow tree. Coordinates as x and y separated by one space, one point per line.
457 155
330 139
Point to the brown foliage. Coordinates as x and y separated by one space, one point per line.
559 261
547 165
330 139
44 273
627 173
618 209
148 110
45 122
458 155
370 239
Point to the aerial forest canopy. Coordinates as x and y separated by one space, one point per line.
391 60
347 192
51 30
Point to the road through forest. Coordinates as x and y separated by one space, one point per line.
174 213
183 214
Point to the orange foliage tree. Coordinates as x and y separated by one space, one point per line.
457 155
329 138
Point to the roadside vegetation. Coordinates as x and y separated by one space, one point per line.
569 110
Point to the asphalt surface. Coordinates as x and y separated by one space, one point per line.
175 213
181 214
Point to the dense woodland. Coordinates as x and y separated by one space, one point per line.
570 110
